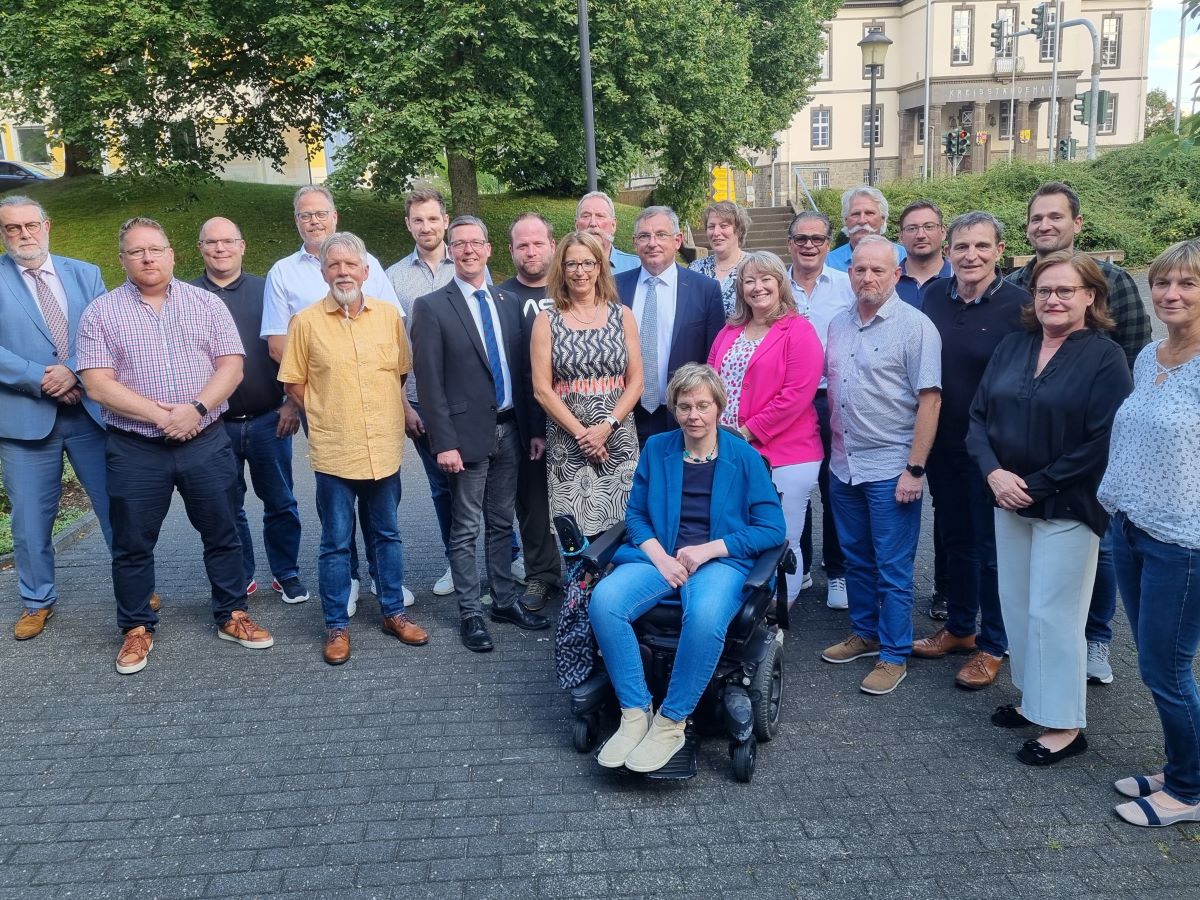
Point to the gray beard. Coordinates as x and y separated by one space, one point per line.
345 298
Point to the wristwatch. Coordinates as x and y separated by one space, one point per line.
915 471
613 423
200 408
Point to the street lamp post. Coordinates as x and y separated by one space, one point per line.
874 48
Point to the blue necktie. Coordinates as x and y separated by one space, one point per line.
493 348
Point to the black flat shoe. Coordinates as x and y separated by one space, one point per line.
1034 753
1007 717
475 635
518 615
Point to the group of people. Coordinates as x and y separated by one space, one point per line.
700 406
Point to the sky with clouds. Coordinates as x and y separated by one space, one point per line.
1164 51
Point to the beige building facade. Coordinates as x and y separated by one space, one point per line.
1002 101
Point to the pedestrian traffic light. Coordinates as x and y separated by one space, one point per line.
962 145
998 36
1039 21
1066 148
1083 107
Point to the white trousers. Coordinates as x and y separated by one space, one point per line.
1046 568
795 483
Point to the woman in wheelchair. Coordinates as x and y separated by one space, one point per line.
701 510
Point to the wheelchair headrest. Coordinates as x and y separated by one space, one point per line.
570 536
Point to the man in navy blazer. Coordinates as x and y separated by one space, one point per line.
44 411
685 313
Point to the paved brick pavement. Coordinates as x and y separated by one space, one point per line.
414 772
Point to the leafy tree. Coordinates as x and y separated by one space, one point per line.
1160 113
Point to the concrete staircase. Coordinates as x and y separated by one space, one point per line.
768 230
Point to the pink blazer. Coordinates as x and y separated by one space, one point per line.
778 390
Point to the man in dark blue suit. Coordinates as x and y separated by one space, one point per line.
678 312
44 411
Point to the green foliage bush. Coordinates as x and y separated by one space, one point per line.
1139 199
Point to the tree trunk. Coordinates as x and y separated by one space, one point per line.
464 184
78 162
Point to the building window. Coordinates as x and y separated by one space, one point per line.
872 125
872 29
822 127
920 117
960 36
826 57
820 178
1004 120
867 179
1007 15
1049 43
1110 42
31 144
1108 125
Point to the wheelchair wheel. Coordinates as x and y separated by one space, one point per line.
766 693
583 735
745 755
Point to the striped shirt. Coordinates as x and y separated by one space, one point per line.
165 356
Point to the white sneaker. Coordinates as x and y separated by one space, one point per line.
518 569
444 586
409 599
352 602
836 598
806 581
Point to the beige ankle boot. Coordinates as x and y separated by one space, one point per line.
634 725
664 739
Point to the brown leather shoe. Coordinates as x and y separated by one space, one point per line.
405 630
241 629
979 671
155 602
138 643
32 622
337 646
942 642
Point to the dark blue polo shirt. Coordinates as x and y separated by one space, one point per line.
911 292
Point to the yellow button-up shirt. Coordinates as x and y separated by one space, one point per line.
352 370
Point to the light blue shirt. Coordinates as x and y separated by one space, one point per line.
665 296
839 258
831 295
296 282
622 261
468 293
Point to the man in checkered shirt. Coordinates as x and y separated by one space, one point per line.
162 357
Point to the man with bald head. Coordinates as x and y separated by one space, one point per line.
260 423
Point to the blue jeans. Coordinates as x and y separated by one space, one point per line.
1160 584
1104 594
879 539
377 502
270 461
711 598
353 537
967 526
33 479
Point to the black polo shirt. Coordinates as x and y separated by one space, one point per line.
260 390
970 332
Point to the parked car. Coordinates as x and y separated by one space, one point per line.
19 174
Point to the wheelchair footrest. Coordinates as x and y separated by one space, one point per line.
681 766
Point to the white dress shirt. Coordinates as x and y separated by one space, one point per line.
296 282
831 294
665 292
468 293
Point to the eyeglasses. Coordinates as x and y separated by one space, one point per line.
143 252
463 245
703 407
815 239
318 215
927 227
659 237
573 265
14 230
1062 292
220 242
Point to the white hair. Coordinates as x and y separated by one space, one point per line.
612 210
864 190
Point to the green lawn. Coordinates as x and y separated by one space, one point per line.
86 213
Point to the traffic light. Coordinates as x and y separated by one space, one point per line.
1083 107
1039 21
998 36
948 141
1105 100
1066 148
962 144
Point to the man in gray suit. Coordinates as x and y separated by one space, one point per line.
44 411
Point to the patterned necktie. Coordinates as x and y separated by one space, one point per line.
56 321
651 397
493 348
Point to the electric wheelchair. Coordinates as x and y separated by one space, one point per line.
744 696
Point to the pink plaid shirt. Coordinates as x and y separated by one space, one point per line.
167 358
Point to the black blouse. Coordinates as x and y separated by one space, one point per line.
1052 430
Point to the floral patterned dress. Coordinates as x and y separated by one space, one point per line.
588 367
707 265
733 372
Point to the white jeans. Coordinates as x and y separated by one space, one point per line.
1046 568
795 483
